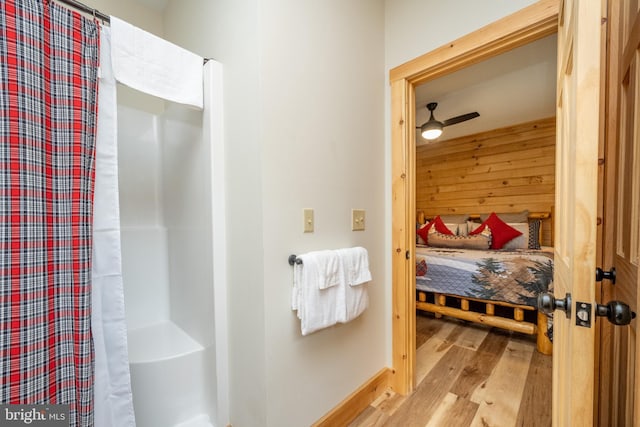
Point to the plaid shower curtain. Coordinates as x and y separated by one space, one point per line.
48 94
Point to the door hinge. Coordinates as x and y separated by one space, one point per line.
407 255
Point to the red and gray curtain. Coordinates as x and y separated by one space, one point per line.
48 100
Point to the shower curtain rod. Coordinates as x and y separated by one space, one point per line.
84 8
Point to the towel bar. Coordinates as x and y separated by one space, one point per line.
294 260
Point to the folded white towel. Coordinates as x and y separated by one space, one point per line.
356 301
155 66
325 270
356 262
356 265
329 268
327 287
317 307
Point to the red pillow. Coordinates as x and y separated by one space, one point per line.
440 228
501 232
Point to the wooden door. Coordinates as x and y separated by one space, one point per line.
621 213
578 132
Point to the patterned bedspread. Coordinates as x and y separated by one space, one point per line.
515 277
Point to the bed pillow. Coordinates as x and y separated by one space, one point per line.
530 238
520 242
534 234
419 240
501 232
478 241
464 229
509 216
453 227
456 223
422 233
437 225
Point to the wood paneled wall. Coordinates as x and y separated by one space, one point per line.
503 170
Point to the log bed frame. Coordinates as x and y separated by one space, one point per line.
519 318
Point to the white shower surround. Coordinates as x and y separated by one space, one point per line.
172 206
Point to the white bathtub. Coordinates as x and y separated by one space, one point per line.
171 377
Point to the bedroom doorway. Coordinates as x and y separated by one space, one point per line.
503 158
532 23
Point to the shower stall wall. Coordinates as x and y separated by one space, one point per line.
166 177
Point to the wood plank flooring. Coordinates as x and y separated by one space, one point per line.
469 375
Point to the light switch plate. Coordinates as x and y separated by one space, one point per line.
357 219
308 220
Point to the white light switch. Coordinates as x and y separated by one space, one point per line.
308 220
357 219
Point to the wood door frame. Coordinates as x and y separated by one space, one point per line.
529 24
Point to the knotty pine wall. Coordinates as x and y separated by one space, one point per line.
503 170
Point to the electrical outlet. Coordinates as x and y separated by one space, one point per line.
357 219
308 220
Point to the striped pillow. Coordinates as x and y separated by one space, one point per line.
534 234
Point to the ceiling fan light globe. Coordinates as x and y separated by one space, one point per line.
431 131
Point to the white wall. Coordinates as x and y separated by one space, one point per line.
304 94
322 138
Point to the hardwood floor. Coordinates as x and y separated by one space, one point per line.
469 375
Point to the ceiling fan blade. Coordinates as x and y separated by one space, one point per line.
459 119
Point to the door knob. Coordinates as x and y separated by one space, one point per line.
616 312
547 304
609 275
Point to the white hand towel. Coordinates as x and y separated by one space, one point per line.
329 268
155 66
356 266
318 293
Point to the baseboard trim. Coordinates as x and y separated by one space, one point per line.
347 410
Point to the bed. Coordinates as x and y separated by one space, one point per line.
496 287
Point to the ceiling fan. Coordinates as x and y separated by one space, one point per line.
433 128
